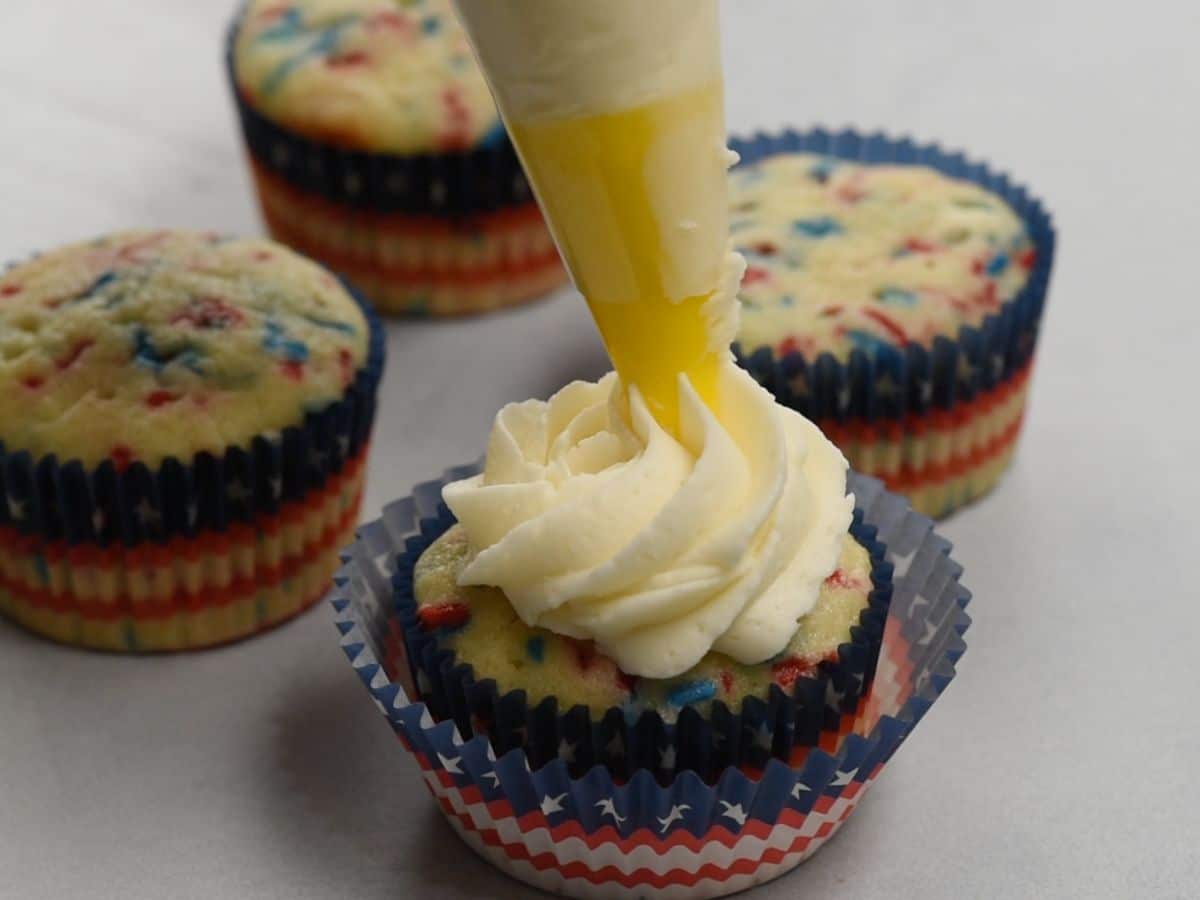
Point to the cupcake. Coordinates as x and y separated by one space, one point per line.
647 643
375 148
893 294
183 425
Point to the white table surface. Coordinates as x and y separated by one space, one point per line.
1061 762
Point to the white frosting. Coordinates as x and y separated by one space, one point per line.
598 524
564 58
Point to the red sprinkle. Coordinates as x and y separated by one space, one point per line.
262 255
988 298
977 267
754 275
9 290
626 682
850 193
726 681
346 363
585 653
888 323
788 345
388 19
33 382
71 357
766 248
785 672
347 60
155 399
122 457
919 245
839 579
447 615
209 312
1027 258
831 311
292 369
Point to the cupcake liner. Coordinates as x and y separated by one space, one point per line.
761 728
440 233
593 835
128 521
897 383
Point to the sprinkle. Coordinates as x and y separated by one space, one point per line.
896 296
764 248
262 255
692 692
830 311
822 169
209 313
10 290
1027 258
889 324
754 275
447 615
387 19
292 369
431 24
535 649
788 346
839 579
786 672
726 681
822 226
331 324
33 382
626 682
917 245
276 341
347 60
155 399
998 264
122 456
585 653
71 357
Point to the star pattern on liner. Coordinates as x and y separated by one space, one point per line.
843 397
316 458
886 386
615 747
276 483
147 514
98 520
551 805
675 815
733 811
764 737
842 779
798 384
236 492
965 370
450 764
193 513
800 788
343 442
997 365
607 808
566 751
17 508
926 392
493 778
930 633
667 759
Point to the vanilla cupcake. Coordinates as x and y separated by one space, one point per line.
183 425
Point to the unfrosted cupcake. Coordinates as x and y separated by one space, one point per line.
893 294
376 148
183 425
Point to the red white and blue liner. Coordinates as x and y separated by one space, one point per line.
597 836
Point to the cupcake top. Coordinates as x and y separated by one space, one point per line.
844 256
149 345
388 76
479 625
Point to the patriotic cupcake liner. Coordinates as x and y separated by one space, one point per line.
188 553
919 398
761 728
435 233
596 835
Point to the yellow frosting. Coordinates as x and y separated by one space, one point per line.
147 345
617 110
379 75
842 255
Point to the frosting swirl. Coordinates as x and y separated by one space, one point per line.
598 524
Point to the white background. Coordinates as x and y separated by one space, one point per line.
1061 763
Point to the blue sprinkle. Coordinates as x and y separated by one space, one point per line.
787 300
431 24
536 649
331 324
998 264
288 27
820 227
275 341
822 169
868 342
692 692
144 352
896 296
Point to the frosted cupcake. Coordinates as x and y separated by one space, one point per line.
894 297
183 424
375 148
